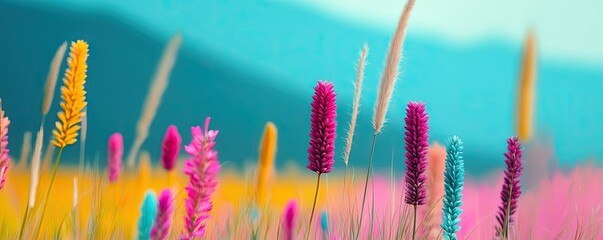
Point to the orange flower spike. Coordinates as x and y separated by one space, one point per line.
73 96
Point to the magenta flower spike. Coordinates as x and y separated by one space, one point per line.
289 220
116 153
323 126
202 168
170 148
4 158
416 139
163 221
511 189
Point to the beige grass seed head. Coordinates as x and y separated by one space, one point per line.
356 103
158 86
390 73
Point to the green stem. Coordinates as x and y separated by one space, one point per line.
368 173
54 173
345 192
22 231
414 222
313 207
24 220
505 233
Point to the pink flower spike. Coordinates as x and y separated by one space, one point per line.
202 168
170 148
416 139
289 220
116 152
4 158
163 221
322 129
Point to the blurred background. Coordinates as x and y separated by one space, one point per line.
248 62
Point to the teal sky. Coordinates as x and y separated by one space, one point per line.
247 62
567 30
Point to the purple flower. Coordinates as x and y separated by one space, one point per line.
116 153
4 158
289 220
416 140
323 125
163 221
170 148
511 189
202 168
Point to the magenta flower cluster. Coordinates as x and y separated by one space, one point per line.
116 153
511 189
202 168
163 220
416 139
170 148
4 158
289 220
323 127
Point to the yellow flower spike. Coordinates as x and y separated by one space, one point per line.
526 89
266 161
73 96
73 102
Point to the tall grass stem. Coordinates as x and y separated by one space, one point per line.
368 173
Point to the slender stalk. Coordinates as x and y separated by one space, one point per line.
414 222
372 223
368 173
345 177
313 207
278 230
505 230
24 220
29 196
82 157
54 173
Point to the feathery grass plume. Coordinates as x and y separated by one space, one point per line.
84 133
51 79
163 221
416 140
356 103
202 168
526 89
289 220
158 86
115 150
385 92
268 146
75 193
390 73
73 96
25 150
35 168
34 177
323 126
170 148
4 158
436 163
511 189
454 178
148 212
